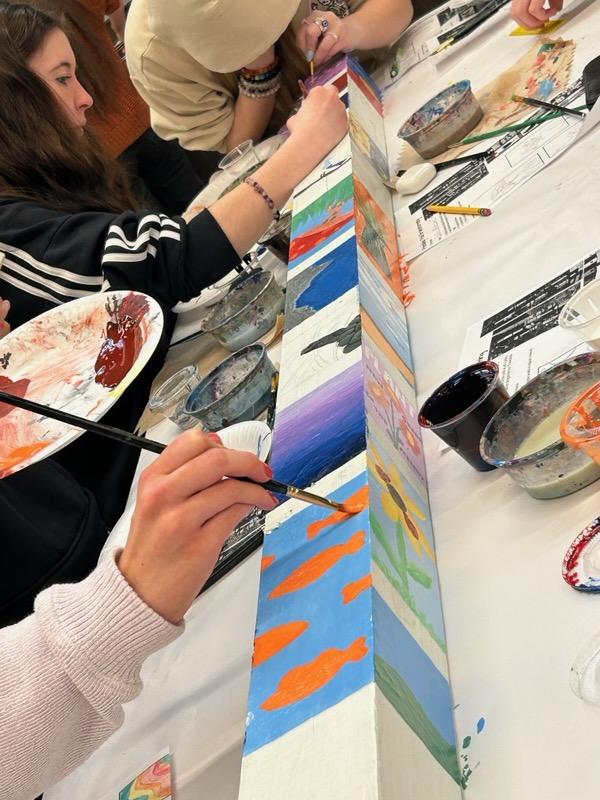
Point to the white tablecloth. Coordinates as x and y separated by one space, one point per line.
513 626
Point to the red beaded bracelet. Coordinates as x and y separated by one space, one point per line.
268 200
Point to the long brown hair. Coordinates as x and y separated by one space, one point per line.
43 157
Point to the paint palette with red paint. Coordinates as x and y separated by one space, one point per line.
581 564
79 358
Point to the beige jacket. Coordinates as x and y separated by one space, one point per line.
175 47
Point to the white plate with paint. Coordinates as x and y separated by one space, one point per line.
78 357
252 437
581 564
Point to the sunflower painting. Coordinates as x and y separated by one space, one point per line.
405 553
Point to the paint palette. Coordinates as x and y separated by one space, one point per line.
581 564
79 357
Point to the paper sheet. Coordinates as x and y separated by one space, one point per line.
419 40
510 162
524 338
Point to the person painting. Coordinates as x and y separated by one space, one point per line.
70 227
215 74
161 175
67 670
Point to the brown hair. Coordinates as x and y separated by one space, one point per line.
43 157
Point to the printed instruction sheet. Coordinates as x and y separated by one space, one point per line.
524 338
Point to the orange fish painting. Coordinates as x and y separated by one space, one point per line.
271 642
352 590
266 562
358 499
302 681
318 565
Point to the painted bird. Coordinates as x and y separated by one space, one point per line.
348 338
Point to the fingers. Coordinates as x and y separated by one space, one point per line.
201 508
211 467
524 12
311 30
221 526
328 48
4 309
185 448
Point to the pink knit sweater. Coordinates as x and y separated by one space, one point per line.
65 673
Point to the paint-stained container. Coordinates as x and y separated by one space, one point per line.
247 312
238 389
443 120
524 439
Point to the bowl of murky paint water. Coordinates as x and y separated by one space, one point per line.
523 437
238 389
247 312
443 120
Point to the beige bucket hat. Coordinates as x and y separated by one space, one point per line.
222 35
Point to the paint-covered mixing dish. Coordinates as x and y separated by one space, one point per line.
443 120
238 389
524 439
581 564
247 312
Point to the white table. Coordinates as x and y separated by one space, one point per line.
513 625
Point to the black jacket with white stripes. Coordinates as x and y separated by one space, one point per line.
56 514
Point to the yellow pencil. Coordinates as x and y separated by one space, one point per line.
471 210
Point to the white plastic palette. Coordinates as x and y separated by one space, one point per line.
581 564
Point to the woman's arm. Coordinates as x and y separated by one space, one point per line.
321 122
4 309
66 670
376 23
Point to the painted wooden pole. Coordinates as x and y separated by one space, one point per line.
349 694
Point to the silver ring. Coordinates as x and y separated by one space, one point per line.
322 23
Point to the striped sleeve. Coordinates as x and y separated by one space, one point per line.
48 257
165 257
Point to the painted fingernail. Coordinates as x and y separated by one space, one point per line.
275 499
310 54
268 470
214 437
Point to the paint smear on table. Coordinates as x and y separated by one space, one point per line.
304 680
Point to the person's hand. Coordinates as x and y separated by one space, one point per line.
4 309
320 123
534 13
268 57
323 35
185 510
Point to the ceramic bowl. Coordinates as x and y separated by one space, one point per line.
238 389
247 312
555 470
443 120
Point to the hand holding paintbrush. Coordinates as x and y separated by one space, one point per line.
9 400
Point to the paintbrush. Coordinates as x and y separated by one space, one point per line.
517 126
454 162
532 101
124 437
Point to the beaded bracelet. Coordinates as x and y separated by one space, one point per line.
268 200
260 83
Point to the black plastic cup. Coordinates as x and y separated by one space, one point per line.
459 410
